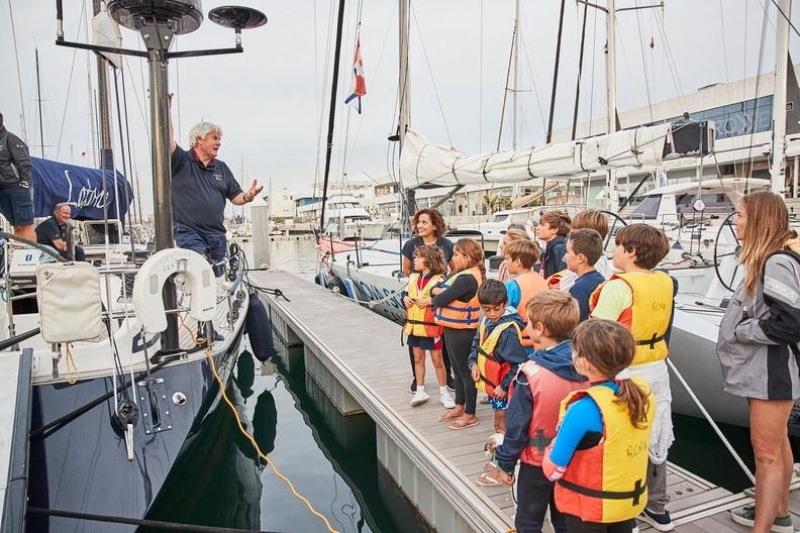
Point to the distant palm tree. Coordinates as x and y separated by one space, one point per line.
494 202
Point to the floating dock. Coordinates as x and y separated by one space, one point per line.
355 358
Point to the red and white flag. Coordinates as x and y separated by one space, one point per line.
359 85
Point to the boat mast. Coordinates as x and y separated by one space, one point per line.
778 166
39 101
611 95
404 110
106 156
332 112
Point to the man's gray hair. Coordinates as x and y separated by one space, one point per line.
61 206
200 130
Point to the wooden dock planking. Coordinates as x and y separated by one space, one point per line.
362 350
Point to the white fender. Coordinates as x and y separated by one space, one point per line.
150 279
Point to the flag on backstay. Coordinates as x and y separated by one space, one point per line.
359 85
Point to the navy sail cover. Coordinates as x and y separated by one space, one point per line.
53 182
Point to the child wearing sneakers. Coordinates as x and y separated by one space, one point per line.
541 384
642 299
496 349
423 334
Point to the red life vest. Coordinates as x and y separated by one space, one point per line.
548 389
530 283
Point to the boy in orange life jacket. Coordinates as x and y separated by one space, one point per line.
584 248
541 384
496 349
598 458
553 228
520 257
642 300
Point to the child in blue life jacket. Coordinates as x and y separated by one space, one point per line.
423 334
541 384
496 349
599 457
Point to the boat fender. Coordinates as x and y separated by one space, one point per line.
349 288
259 329
154 273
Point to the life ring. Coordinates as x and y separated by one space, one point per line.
154 273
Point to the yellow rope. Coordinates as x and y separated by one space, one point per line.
250 437
72 368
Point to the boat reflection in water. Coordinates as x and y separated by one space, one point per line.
216 479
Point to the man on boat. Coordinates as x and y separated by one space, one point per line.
54 231
200 185
15 183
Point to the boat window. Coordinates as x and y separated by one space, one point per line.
647 208
95 232
500 218
520 218
714 202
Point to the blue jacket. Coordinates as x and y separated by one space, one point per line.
553 257
558 360
508 348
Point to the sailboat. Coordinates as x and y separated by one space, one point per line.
121 376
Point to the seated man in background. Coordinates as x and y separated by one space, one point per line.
53 232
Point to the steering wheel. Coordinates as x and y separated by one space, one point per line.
726 224
616 218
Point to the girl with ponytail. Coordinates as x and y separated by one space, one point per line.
600 451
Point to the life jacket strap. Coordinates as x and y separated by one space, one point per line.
420 322
487 355
639 488
652 341
488 381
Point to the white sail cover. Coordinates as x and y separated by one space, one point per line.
105 32
431 165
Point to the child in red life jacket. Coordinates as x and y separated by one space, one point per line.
496 349
642 299
598 458
423 333
541 383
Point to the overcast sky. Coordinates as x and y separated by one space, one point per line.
268 99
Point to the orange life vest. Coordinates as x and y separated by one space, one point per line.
608 482
419 320
650 315
458 314
548 389
530 283
492 370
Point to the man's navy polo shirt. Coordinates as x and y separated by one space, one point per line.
199 191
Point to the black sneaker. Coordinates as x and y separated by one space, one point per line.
413 387
660 521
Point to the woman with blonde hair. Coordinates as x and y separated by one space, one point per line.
758 350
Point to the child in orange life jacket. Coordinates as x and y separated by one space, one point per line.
520 258
457 310
586 219
422 332
496 349
642 299
584 248
541 383
598 458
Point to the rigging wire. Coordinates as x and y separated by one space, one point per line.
19 72
137 209
430 71
480 84
785 16
356 41
580 71
124 163
69 81
591 88
323 99
506 91
529 61
671 63
724 47
644 62
755 96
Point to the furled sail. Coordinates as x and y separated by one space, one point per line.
423 164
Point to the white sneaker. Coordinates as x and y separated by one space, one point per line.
420 397
447 399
